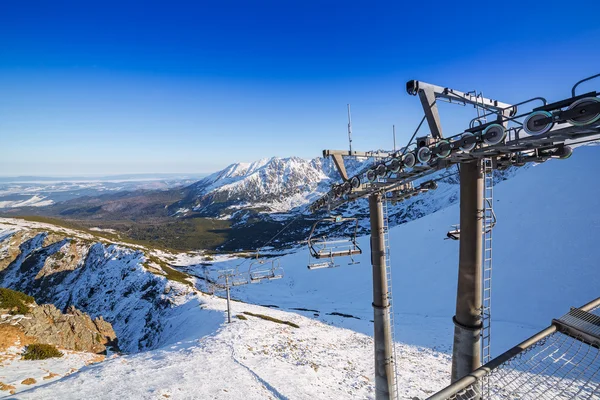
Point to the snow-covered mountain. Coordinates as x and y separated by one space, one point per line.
271 185
278 189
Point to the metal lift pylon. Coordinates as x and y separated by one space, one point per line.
385 354
509 139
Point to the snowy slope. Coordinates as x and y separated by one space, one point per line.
545 260
269 185
181 333
116 282
33 201
251 359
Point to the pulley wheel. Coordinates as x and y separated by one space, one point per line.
355 182
371 175
424 155
337 191
381 170
346 187
395 165
585 118
494 134
531 128
443 148
409 160
564 152
467 146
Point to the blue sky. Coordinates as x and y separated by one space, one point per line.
137 87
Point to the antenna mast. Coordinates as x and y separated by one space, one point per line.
349 129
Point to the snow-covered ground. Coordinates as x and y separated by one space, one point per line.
18 375
250 359
545 260
33 201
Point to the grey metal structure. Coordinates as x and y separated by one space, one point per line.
467 320
559 362
534 136
261 270
322 247
489 221
385 377
228 278
429 94
509 139
388 272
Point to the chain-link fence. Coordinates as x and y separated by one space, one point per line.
561 362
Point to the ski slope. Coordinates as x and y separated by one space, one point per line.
545 260
250 359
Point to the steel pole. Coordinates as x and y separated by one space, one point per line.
384 368
228 300
467 321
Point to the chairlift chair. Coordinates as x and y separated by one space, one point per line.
321 248
239 280
454 233
321 265
257 275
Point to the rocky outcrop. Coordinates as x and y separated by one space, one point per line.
100 279
73 330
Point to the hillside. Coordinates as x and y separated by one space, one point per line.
26 327
122 283
163 324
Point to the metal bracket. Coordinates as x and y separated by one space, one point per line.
466 327
428 94
338 158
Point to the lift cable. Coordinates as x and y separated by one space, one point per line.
273 238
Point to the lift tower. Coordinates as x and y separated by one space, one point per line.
546 131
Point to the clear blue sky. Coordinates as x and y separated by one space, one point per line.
129 87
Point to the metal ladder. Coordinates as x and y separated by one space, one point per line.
388 272
488 224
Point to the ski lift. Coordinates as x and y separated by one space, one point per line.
321 248
454 233
257 273
230 277
239 280
321 265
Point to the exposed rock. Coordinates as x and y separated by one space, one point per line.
50 375
12 250
6 387
28 381
66 258
100 279
73 330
